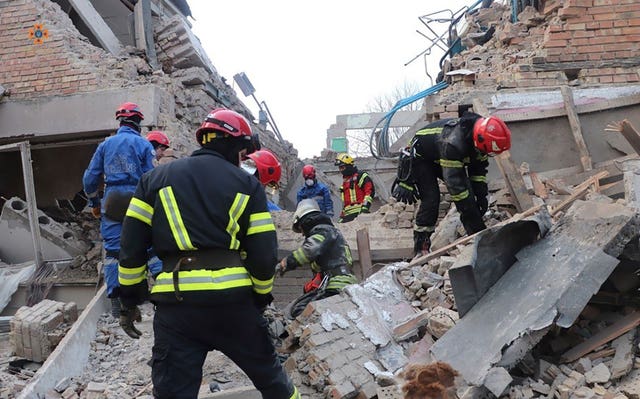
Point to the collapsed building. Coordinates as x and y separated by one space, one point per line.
540 304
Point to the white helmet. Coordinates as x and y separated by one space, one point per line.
305 207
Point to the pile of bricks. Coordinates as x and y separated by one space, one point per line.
37 330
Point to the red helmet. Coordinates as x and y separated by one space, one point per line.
269 169
128 109
491 135
224 121
158 137
309 172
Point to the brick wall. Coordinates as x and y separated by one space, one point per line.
50 68
598 33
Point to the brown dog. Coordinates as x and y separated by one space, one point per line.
428 381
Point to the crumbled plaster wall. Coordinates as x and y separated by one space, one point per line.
67 64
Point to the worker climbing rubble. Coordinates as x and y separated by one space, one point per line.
455 150
201 213
325 249
119 161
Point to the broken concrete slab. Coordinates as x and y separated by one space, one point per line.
551 282
16 244
17 118
479 266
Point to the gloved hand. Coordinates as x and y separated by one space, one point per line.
96 212
127 316
483 204
365 207
262 301
281 267
405 192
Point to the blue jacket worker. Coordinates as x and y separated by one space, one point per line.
119 162
313 189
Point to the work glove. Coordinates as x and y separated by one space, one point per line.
127 316
281 267
365 207
94 203
262 301
483 204
405 192
96 212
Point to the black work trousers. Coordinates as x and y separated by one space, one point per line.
426 174
184 335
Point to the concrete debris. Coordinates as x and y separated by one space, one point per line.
37 330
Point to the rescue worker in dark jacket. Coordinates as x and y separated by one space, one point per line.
455 150
325 249
357 190
119 161
208 222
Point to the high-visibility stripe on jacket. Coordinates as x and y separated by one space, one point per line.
190 206
356 190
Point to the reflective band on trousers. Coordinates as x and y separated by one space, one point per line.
339 282
174 218
203 280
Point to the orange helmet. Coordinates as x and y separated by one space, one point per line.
269 169
309 172
224 121
158 137
491 135
128 109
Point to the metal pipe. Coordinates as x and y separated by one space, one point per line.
32 207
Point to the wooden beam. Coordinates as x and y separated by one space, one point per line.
97 26
576 128
362 241
607 334
144 31
628 132
514 181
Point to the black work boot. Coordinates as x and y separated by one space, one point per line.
421 243
115 308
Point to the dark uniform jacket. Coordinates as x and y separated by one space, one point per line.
447 147
326 250
209 210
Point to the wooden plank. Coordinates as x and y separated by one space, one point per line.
538 186
576 128
362 241
97 26
607 334
628 132
514 181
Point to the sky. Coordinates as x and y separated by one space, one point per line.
312 61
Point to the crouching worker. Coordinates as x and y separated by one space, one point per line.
325 249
